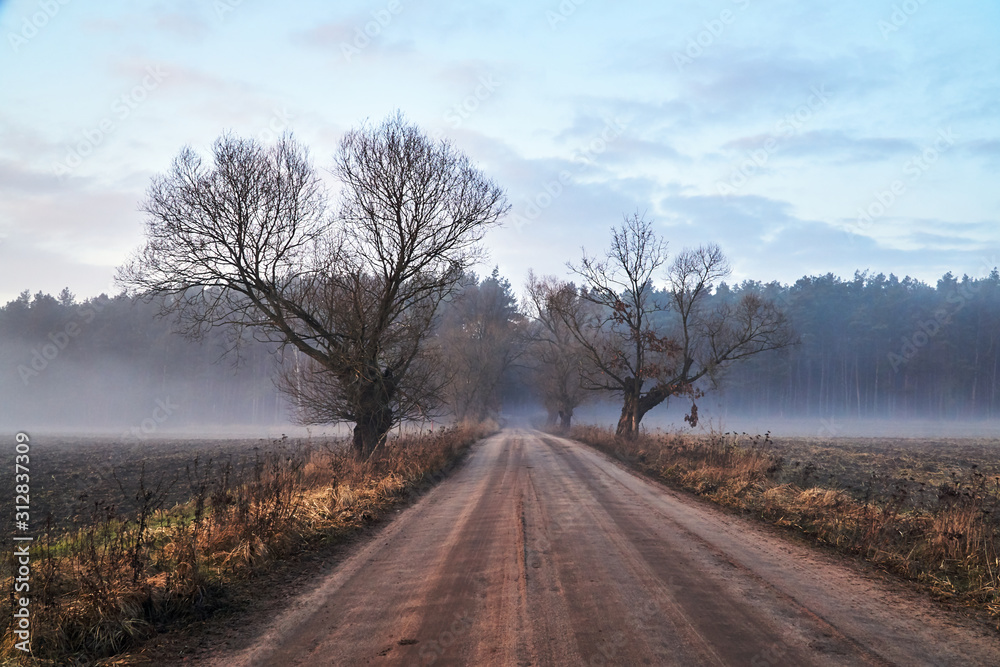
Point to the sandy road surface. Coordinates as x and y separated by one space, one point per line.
540 551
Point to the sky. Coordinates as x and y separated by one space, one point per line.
803 138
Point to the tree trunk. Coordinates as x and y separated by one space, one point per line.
376 418
637 405
628 423
565 417
370 432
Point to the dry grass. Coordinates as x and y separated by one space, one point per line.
118 577
941 529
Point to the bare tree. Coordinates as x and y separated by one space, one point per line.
650 346
556 356
248 242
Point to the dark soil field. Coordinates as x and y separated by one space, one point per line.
78 480
915 470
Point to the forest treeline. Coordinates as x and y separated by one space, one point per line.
867 347
110 362
114 362
876 346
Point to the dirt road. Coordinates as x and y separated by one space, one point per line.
540 551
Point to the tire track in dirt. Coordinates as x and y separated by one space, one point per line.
692 581
841 617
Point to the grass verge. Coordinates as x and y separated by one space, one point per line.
947 537
118 578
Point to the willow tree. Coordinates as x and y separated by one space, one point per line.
250 241
649 345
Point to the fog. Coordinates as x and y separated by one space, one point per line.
714 416
113 399
110 367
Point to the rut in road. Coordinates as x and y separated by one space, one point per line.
540 551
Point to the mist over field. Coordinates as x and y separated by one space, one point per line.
715 417
923 363
109 366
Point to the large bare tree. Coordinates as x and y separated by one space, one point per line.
650 345
248 241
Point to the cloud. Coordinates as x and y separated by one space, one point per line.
765 240
73 218
62 231
832 144
188 23
185 26
932 234
747 218
333 33
25 266
589 132
684 129
17 180
371 35
987 149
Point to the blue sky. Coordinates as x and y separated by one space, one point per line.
804 138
